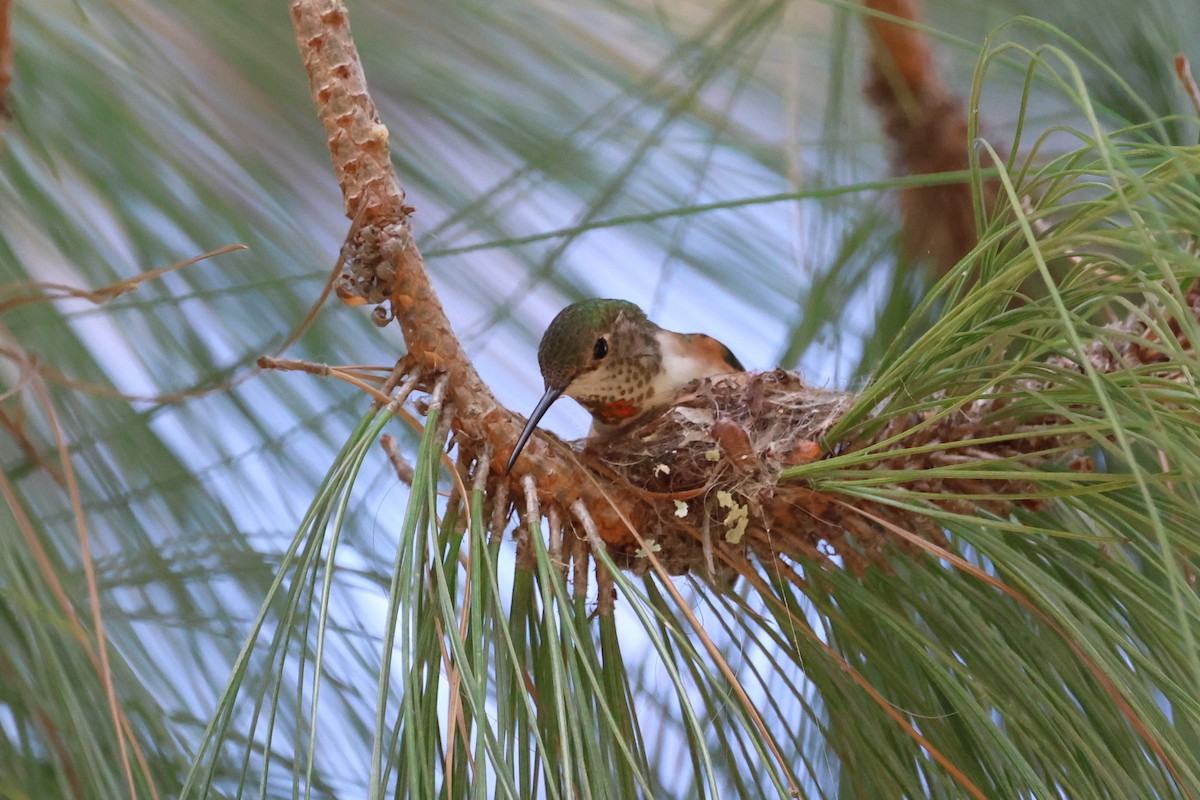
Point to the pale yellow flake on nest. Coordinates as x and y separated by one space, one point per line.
736 520
651 545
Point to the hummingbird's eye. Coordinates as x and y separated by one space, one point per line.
601 349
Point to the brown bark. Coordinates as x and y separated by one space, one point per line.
1183 70
6 60
927 128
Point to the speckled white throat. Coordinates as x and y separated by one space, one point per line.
650 381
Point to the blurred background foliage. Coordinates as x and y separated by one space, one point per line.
714 162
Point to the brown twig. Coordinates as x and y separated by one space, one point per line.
6 60
580 555
1184 71
42 292
927 127
33 292
402 466
296 365
15 426
14 422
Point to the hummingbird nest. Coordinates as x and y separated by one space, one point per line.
710 467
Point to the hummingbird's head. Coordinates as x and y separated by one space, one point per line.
589 341
591 350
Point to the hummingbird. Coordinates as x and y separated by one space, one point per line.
608 356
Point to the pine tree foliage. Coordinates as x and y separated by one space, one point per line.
213 583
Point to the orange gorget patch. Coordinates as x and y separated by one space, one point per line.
616 410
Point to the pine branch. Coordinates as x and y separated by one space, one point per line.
384 264
719 475
927 127
6 60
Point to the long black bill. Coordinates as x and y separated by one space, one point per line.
547 399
